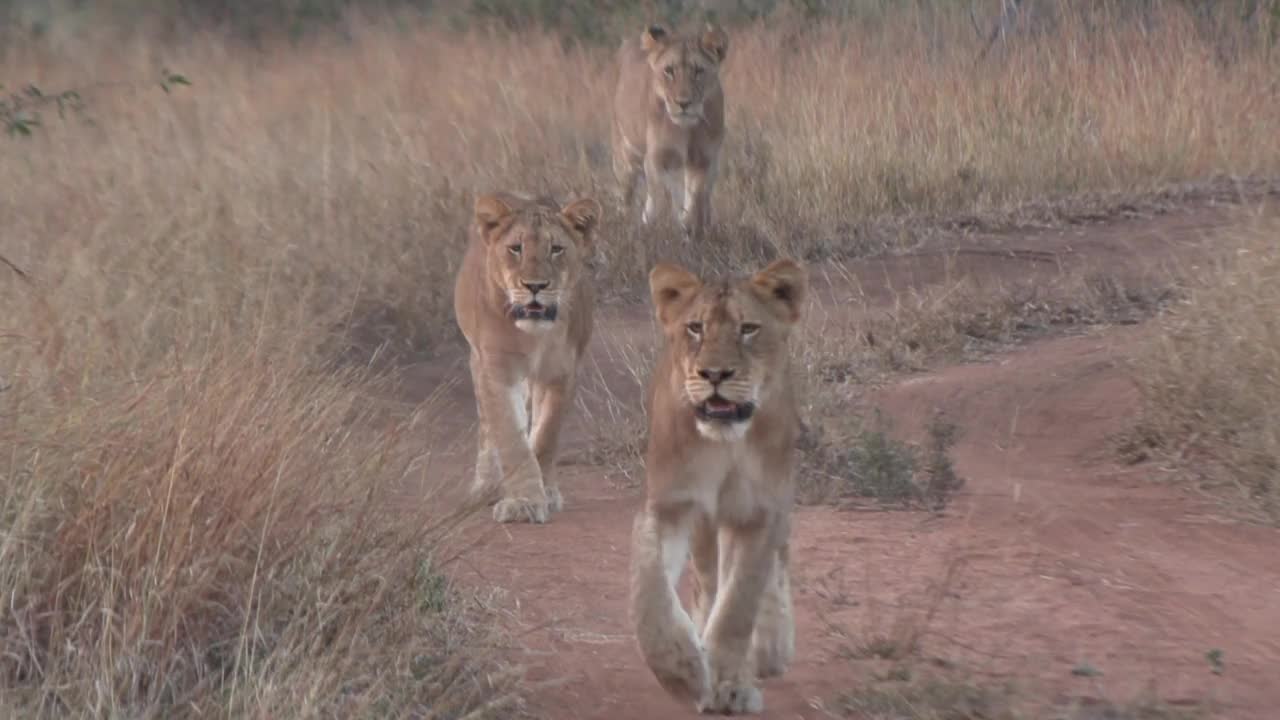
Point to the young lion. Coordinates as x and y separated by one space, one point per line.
723 422
524 299
668 122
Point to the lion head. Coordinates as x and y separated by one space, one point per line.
728 340
686 69
536 252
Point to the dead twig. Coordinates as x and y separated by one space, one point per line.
21 273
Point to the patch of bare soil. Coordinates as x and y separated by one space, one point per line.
1056 568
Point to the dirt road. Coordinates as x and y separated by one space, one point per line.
1056 568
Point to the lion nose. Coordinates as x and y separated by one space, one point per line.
535 287
684 104
715 377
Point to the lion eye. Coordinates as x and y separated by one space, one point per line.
697 72
670 71
694 328
556 250
515 250
749 329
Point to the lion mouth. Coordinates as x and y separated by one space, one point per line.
722 410
533 311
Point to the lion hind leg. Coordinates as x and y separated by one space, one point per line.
665 633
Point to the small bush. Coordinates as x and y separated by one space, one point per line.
871 465
1209 379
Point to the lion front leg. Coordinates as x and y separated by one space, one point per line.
488 472
628 169
663 186
488 475
695 217
774 641
699 181
706 559
506 412
550 402
746 564
665 633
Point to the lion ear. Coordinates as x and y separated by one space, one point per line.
782 285
715 42
653 37
583 215
491 209
672 287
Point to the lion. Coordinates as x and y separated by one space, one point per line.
723 425
524 301
668 122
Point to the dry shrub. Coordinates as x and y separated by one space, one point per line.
1209 378
613 407
220 541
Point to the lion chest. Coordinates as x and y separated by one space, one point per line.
725 480
548 356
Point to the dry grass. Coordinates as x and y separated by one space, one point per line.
192 490
341 172
1209 378
613 408
218 541
964 318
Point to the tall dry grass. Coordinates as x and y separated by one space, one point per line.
219 540
1210 379
333 178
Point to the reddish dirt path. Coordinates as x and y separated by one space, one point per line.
1062 558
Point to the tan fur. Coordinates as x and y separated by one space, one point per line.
674 152
720 487
523 370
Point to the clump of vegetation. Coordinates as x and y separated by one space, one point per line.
935 697
1209 378
870 465
926 699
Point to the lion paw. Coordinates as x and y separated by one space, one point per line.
688 678
509 510
773 651
730 698
555 501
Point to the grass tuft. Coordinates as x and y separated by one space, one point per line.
1209 379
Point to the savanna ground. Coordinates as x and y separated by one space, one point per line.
1040 362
